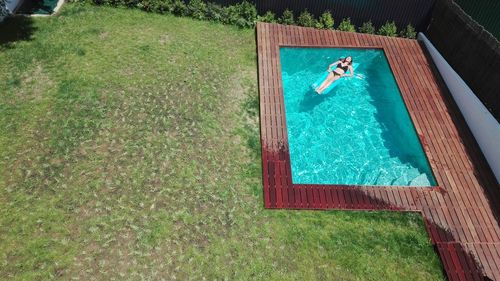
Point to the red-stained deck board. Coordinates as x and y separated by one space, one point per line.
459 213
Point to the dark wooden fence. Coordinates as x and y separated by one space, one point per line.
485 12
402 12
472 51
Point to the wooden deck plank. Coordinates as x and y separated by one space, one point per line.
485 219
467 265
444 253
491 257
470 203
419 79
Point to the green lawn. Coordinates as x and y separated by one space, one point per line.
129 150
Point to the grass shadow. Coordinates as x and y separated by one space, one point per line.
14 29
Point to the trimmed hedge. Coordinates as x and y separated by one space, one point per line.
367 27
268 17
326 20
306 19
408 32
244 14
346 25
287 18
388 29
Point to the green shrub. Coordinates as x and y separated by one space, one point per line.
162 7
248 14
326 20
229 15
243 14
367 27
197 9
306 19
346 25
179 8
287 18
408 32
267 17
319 25
127 3
388 29
143 5
214 12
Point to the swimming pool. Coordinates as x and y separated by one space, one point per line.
358 134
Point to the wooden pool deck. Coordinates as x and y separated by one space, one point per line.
460 214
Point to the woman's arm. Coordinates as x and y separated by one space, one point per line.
330 66
351 71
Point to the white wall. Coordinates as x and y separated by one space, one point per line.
484 126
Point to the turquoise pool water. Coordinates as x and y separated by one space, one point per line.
360 133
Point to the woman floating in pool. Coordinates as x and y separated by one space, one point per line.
342 66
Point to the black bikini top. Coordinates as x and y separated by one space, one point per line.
345 68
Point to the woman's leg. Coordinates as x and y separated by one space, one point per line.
327 83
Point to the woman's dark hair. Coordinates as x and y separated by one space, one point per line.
344 59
